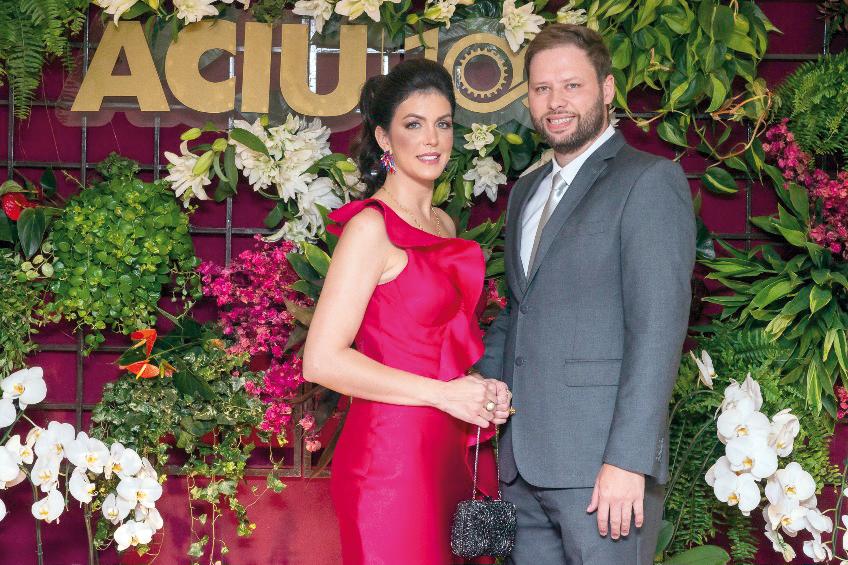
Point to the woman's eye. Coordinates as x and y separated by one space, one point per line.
412 125
445 125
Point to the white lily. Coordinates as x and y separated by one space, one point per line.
817 551
7 412
779 545
440 11
141 490
122 461
132 533
520 24
568 14
116 508
319 10
21 452
54 440
487 176
26 385
753 455
50 507
706 370
479 137
738 422
785 427
80 486
191 11
355 8
115 7
88 453
792 482
787 515
45 472
182 177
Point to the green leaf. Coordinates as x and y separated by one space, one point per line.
190 384
10 186
664 538
32 224
741 42
819 298
765 223
319 260
800 200
275 216
841 349
720 181
776 290
249 140
135 11
702 555
671 132
794 237
5 228
48 182
306 288
302 267
621 51
230 167
718 94
716 20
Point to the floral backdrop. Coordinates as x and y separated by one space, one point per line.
152 402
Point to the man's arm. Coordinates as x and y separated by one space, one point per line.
491 364
657 256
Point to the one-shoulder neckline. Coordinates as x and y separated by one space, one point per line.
388 207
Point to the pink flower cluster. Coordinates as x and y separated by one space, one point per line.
841 402
830 230
490 303
251 295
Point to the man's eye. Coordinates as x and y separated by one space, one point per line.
541 88
573 85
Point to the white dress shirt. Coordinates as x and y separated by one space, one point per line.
533 210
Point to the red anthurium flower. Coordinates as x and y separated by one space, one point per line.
142 369
147 337
14 203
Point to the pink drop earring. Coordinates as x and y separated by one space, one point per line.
388 162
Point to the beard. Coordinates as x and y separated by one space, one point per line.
589 126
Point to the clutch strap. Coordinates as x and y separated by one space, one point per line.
477 458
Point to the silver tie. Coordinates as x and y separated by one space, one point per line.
558 186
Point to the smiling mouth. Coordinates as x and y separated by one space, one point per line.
429 158
560 121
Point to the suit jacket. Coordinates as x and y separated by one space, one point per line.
591 338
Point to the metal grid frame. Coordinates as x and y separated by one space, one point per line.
302 459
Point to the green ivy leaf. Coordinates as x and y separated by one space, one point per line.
718 93
621 51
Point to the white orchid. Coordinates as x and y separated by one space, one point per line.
355 8
487 176
845 535
54 440
45 472
479 137
732 488
569 14
751 454
115 7
440 11
149 516
50 507
33 435
705 368
739 422
182 176
520 24
116 508
88 453
2 510
787 515
122 461
738 395
779 545
7 412
21 452
319 10
792 482
133 533
147 471
817 551
140 490
785 427
817 523
80 486
26 385
9 469
191 11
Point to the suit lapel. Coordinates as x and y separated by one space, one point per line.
515 270
583 182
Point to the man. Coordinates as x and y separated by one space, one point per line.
600 247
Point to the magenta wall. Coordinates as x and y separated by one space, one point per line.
296 527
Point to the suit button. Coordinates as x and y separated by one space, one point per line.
519 361
523 308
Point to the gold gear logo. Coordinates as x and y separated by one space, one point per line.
489 52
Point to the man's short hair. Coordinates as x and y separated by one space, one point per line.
556 35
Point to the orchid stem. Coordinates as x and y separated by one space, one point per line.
91 555
39 549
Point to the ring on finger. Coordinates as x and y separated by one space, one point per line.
490 406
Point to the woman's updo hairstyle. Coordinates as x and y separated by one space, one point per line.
380 97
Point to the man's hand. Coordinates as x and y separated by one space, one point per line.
617 497
504 399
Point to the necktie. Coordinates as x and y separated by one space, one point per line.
558 186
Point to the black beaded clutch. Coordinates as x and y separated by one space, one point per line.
483 527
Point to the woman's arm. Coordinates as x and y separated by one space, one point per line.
361 258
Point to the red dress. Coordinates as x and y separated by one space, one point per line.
398 472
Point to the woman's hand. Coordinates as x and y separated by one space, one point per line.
465 398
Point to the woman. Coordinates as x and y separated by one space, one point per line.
404 289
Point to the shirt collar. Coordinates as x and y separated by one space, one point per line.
571 169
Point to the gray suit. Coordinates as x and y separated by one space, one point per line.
590 344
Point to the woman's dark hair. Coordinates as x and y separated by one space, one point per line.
380 97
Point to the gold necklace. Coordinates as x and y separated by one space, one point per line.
404 209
